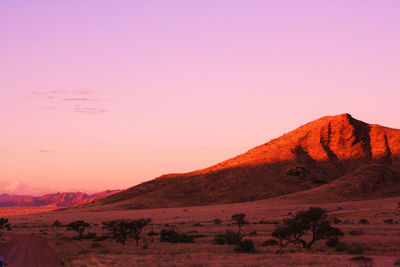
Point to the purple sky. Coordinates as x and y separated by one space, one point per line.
107 94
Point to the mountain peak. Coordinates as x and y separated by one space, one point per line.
319 152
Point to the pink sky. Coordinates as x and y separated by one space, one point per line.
106 94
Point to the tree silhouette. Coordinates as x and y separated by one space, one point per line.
124 228
119 229
137 228
79 227
4 224
314 219
239 218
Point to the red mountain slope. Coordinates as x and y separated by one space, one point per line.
320 154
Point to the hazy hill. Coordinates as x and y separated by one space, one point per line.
62 199
335 157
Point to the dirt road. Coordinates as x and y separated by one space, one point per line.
26 250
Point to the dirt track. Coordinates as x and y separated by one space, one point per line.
26 250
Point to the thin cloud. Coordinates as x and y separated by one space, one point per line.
58 97
79 99
44 151
89 110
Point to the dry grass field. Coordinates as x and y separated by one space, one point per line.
371 227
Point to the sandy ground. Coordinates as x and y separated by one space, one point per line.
381 238
27 250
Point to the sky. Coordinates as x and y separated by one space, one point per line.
103 94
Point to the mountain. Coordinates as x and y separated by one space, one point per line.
18 188
64 199
336 157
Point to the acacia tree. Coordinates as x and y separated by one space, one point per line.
137 228
4 224
314 220
122 229
79 227
119 229
239 218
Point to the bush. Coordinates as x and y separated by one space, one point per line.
90 235
101 238
364 221
362 259
219 239
351 248
356 232
96 245
172 236
217 221
245 246
389 221
230 238
332 242
253 233
270 242
152 233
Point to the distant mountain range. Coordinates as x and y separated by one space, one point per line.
334 158
62 199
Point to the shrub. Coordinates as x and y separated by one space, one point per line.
217 221
389 221
219 239
356 232
361 259
364 221
172 236
253 233
90 235
101 238
96 245
152 233
351 248
245 246
332 242
230 238
56 223
270 242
